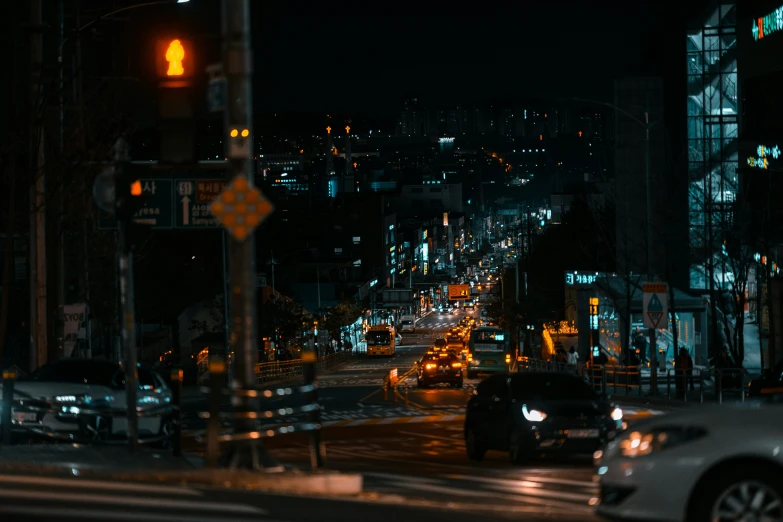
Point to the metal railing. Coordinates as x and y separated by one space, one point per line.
278 370
250 427
631 379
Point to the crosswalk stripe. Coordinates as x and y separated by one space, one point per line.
118 500
96 484
54 513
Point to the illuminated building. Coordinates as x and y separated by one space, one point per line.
713 112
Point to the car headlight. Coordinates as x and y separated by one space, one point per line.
617 414
533 415
72 399
639 444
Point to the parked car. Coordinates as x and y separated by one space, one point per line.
69 387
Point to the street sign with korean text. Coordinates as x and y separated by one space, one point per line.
192 200
655 305
156 212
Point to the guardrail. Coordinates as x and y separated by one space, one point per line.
278 370
92 421
630 379
252 425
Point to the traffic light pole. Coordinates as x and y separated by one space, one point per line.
237 67
127 299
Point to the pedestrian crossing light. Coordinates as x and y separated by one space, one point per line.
175 59
135 188
175 55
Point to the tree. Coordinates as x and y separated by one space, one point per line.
214 323
341 316
728 241
284 318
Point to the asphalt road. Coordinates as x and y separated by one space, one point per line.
413 453
410 452
45 499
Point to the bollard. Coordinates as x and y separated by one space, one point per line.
217 376
309 361
9 379
176 392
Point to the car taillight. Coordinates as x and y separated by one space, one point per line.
430 366
456 365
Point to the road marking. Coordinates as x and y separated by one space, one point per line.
54 513
97 484
428 436
542 480
402 478
163 503
522 497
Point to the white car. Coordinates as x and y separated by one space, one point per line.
712 464
68 387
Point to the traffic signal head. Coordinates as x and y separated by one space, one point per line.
175 59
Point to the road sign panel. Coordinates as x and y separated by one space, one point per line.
655 305
191 209
241 208
156 212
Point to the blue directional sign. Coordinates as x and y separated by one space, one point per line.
156 212
192 200
655 305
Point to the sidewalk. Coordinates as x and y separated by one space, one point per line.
118 463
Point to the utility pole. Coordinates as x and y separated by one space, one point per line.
648 181
38 286
127 300
237 65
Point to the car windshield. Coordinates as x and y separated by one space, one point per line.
77 371
551 387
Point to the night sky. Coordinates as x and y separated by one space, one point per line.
370 62
366 62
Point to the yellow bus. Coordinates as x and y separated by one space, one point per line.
380 340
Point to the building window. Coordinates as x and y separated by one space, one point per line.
338 250
357 240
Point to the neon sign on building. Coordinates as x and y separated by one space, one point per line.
768 24
763 153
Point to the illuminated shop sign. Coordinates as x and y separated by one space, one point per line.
763 154
768 24
580 279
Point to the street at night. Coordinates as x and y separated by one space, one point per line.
318 263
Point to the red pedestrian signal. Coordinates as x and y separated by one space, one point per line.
174 59
135 188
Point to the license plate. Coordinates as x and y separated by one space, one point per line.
25 416
489 362
583 434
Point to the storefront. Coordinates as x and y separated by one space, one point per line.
760 43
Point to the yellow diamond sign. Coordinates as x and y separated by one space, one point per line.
240 208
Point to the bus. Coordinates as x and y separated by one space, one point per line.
381 340
407 323
489 350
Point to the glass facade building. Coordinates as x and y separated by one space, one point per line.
713 154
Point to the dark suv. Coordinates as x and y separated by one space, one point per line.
442 367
